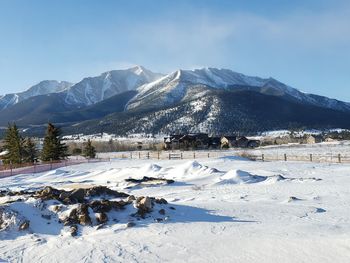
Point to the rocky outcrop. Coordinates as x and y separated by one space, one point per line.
82 207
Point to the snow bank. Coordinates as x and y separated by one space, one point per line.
239 177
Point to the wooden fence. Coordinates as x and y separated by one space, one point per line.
29 168
265 156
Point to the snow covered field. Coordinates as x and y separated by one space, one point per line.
226 210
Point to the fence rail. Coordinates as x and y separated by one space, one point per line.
29 168
264 156
9 170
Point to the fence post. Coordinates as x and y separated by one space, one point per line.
310 157
11 167
169 156
158 155
51 164
181 156
34 166
339 158
208 155
194 155
263 157
139 155
130 155
285 157
148 155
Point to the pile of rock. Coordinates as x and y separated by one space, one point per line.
86 207
79 195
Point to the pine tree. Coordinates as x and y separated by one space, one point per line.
30 151
53 148
89 150
14 145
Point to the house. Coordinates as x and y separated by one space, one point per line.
186 141
194 140
228 141
253 143
214 142
242 142
172 141
311 139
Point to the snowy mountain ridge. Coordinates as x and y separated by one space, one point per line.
42 88
176 86
95 89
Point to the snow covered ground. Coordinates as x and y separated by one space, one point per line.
226 210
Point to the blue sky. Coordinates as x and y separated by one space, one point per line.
303 43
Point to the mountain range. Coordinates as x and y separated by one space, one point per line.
137 100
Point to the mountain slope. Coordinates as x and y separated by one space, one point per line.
35 110
52 107
42 88
220 112
183 85
95 89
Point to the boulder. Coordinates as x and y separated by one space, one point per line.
101 218
74 230
130 198
144 205
83 215
78 195
161 201
103 190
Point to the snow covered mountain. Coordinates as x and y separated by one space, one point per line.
95 89
42 88
183 85
202 100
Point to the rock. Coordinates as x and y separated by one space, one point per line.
100 226
103 190
83 215
74 230
130 224
78 195
101 218
161 201
144 205
147 179
24 225
293 198
162 211
101 206
130 198
158 220
79 215
64 195
49 193
57 208
172 208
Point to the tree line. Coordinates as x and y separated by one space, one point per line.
20 150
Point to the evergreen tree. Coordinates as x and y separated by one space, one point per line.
89 150
14 145
30 151
53 148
